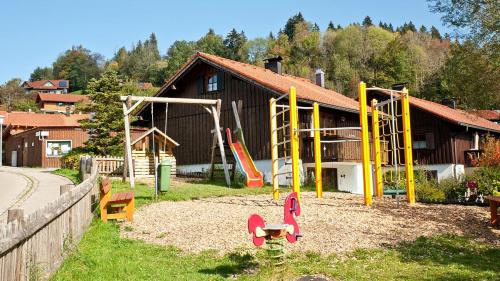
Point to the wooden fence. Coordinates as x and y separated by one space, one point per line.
34 246
110 165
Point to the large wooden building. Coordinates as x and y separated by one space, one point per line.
211 77
444 137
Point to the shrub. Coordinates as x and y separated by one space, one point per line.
452 189
491 155
487 179
428 191
72 159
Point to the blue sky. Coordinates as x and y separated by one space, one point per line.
35 32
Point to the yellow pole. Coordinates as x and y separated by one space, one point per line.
379 185
410 184
317 152
365 144
294 139
274 149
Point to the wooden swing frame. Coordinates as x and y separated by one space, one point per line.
213 107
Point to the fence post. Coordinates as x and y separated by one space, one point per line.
15 214
65 188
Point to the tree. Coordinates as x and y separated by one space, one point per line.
177 55
367 21
42 73
79 66
105 126
10 93
435 33
331 26
422 29
315 28
257 49
289 29
211 43
475 20
471 77
236 45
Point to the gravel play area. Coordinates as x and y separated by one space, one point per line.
337 223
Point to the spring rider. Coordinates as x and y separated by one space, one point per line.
274 233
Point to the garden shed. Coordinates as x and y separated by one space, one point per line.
152 143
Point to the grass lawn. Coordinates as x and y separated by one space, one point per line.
103 255
73 175
186 191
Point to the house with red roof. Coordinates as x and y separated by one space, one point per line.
444 137
57 103
448 133
491 115
40 140
46 86
207 76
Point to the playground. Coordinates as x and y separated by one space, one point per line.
338 223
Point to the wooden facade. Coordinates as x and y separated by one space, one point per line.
190 125
30 151
446 142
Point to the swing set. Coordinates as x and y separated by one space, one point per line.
211 106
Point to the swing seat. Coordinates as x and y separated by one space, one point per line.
394 192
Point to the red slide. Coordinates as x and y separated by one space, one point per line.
245 163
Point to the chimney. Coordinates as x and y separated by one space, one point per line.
399 86
274 64
68 111
449 103
320 77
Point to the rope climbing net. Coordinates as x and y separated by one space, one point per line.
392 143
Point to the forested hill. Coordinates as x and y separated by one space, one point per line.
434 65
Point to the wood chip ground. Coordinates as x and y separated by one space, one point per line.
335 224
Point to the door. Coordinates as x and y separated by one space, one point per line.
13 158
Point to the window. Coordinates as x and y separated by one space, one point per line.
57 148
419 142
212 83
423 141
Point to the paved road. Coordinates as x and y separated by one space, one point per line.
39 187
12 187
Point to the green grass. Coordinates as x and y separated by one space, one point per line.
73 175
103 255
186 191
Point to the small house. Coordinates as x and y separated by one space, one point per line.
152 144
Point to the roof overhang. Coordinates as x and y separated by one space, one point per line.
196 59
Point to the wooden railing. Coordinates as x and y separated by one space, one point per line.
34 246
110 165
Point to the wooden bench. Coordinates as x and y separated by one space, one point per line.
115 206
494 204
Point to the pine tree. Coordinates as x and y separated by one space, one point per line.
422 29
435 33
315 28
289 29
331 26
236 45
106 126
367 21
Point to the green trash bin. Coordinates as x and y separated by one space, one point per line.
164 175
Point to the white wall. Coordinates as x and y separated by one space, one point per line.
444 171
349 175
